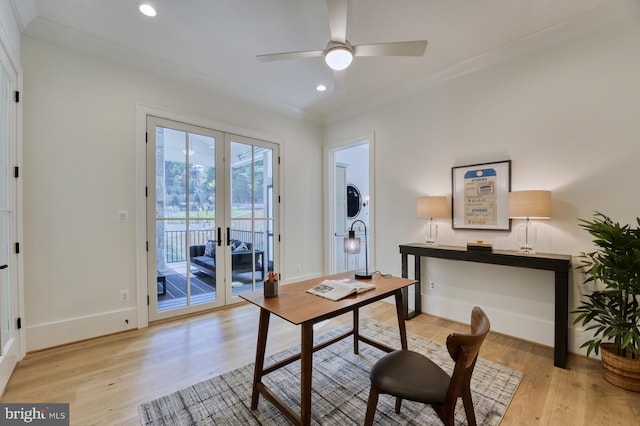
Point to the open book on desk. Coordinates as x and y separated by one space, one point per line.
336 290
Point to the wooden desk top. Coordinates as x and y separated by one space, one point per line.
297 306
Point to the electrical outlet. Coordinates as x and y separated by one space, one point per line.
124 295
432 284
123 216
298 268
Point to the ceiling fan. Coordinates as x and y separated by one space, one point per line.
339 53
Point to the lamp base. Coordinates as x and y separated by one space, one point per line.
526 250
362 275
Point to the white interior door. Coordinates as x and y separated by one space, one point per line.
9 339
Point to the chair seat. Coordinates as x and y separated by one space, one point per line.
410 375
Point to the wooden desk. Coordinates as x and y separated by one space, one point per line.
297 306
559 263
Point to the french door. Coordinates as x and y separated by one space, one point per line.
210 215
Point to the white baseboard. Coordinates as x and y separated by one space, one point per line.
538 330
577 336
304 277
57 333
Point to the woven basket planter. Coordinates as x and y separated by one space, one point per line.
623 372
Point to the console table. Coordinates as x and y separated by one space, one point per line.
559 263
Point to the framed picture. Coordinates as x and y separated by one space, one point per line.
479 195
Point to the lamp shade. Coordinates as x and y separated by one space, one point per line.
352 245
530 204
432 207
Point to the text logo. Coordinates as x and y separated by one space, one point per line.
34 414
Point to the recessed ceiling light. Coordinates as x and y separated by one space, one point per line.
147 9
321 87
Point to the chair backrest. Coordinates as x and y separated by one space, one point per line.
464 349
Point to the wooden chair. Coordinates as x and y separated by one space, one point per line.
409 375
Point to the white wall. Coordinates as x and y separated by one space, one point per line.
79 161
567 117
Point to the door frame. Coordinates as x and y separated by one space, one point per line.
329 198
142 111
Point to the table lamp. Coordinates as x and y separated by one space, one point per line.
529 205
352 246
430 207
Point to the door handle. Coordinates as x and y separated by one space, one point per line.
228 236
219 237
4 266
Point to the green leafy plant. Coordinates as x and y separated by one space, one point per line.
612 312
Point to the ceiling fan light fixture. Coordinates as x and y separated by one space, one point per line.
338 58
147 9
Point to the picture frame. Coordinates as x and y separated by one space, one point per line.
479 196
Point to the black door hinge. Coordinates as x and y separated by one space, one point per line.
146 191
16 96
147 300
19 323
16 172
147 245
17 248
146 136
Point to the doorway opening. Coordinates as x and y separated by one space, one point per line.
350 200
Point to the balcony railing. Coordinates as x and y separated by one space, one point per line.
176 248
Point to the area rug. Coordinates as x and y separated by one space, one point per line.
340 389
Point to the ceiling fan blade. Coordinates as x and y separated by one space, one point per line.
338 20
398 48
289 55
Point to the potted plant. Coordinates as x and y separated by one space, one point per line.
612 310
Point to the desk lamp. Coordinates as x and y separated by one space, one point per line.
529 205
352 246
430 207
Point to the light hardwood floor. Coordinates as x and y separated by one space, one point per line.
105 379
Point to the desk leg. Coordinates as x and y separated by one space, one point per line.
263 328
401 324
306 359
356 332
561 319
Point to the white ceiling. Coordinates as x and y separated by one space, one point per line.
214 43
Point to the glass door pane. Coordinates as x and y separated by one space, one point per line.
203 240
252 214
186 233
